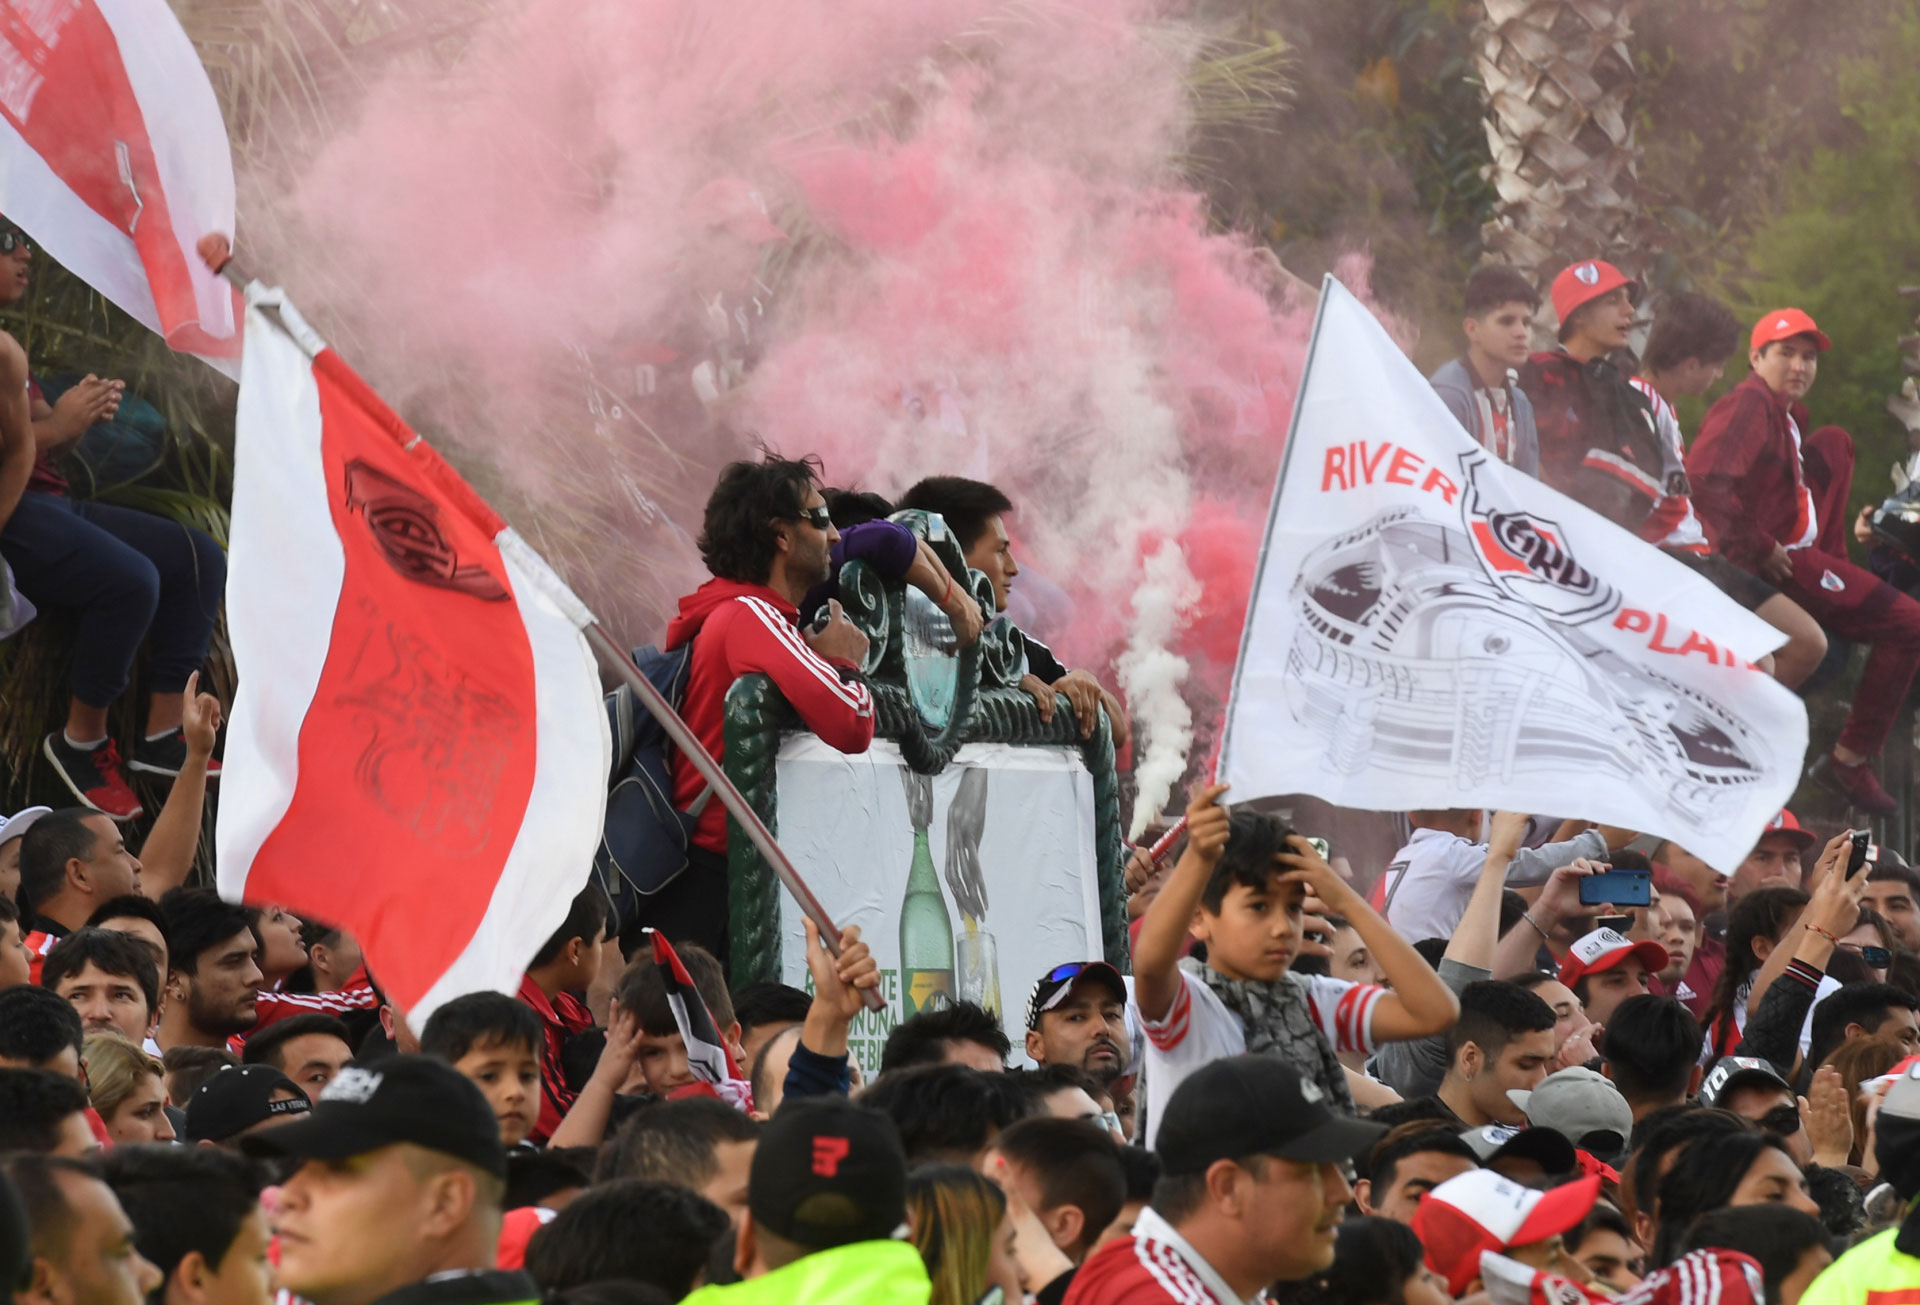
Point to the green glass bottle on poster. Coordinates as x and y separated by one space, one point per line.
926 930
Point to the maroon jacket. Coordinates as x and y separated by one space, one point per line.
1747 476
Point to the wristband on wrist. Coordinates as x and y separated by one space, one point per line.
1814 928
1528 917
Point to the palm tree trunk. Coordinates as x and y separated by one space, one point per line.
1559 80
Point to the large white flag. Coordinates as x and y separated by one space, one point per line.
114 158
1431 629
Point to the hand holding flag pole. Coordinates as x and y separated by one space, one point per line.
216 250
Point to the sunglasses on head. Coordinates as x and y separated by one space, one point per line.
818 517
1061 973
1781 1121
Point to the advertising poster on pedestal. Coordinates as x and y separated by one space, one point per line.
967 885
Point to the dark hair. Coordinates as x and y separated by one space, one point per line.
1042 1081
9 913
268 1046
1602 1218
1705 1177
198 920
118 954
1849 968
642 992
181 1199
1663 1131
533 1176
653 1232
317 933
674 1141
1075 1163
1777 1236
1690 325
946 1112
965 504
1253 839
481 1017
1492 1012
1142 1168
1428 1110
1415 1137
1855 1003
853 507
37 1024
1762 913
586 919
33 1105
49 843
131 906
613 1291
1843 1206
1373 1259
36 1176
923 1039
737 538
768 1002
1652 1047
1492 285
1882 871
189 1066
1512 907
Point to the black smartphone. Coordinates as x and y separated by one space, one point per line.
1857 858
1618 887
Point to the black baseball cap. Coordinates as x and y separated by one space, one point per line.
399 1099
1732 1072
1053 986
238 1097
1255 1105
828 1173
1495 1142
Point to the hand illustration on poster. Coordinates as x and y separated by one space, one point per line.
977 961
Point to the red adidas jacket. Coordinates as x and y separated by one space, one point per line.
1746 473
739 629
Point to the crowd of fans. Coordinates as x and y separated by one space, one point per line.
1448 1078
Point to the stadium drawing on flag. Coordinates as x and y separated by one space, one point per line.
1432 629
1409 655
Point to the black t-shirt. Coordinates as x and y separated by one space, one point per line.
1041 661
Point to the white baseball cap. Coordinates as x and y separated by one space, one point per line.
20 822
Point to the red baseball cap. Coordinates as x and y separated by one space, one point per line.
1784 324
1481 1211
1603 949
1585 282
1784 823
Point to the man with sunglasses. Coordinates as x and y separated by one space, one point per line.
126 577
767 538
1753 1089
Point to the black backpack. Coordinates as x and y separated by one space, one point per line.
643 844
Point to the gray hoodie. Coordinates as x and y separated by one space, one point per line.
1455 382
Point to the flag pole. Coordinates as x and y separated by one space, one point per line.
217 251
723 788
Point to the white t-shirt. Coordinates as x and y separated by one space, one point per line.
1199 1028
1806 495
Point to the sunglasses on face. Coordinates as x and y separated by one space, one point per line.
1878 957
1781 1121
12 238
817 517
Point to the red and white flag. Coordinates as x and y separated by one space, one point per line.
114 157
709 1058
417 751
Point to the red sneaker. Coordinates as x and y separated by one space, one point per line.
1857 784
94 776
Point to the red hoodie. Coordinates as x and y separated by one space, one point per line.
739 629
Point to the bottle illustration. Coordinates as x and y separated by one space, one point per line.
977 969
926 931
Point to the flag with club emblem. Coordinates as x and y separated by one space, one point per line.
417 752
708 1056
